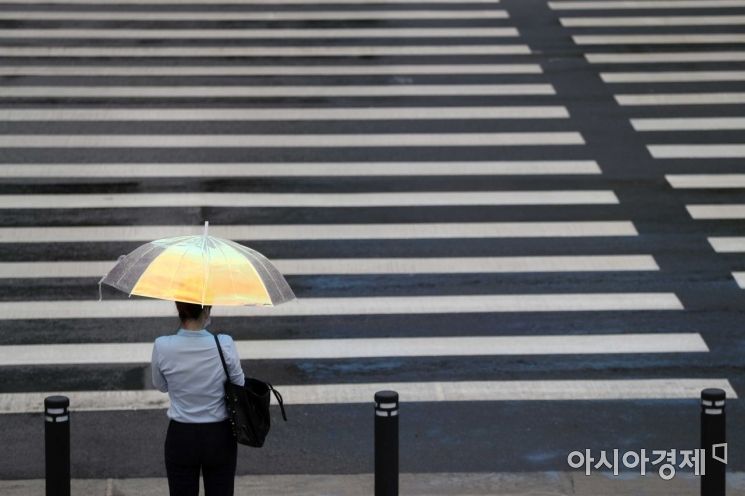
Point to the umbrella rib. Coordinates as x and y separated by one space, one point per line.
125 272
230 272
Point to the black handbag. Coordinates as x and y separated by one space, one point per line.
248 407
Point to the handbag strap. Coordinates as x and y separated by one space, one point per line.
222 358
279 400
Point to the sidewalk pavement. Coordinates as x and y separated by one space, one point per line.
419 484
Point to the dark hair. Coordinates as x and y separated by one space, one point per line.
190 311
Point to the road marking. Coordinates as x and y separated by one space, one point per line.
308 200
514 390
264 70
290 169
149 34
664 57
740 278
282 114
286 140
640 4
326 266
671 77
697 20
210 15
310 349
688 123
273 51
243 2
660 39
367 305
697 151
337 232
681 99
720 211
273 91
682 181
731 244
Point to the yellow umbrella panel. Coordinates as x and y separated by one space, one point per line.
200 269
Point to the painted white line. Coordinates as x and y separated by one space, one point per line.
731 244
516 390
720 211
211 15
324 266
672 77
282 114
309 200
681 99
243 2
692 20
276 51
285 349
273 91
291 169
286 140
697 151
664 57
688 123
739 278
264 70
683 181
158 34
298 232
658 39
642 4
367 305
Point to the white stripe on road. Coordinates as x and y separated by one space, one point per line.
210 15
638 4
322 266
366 305
264 70
697 151
513 390
664 57
672 77
298 232
731 244
273 91
719 211
274 51
290 169
309 200
681 99
683 181
162 34
243 2
282 114
739 278
659 39
286 140
692 20
287 349
688 123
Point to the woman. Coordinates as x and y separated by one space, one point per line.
187 366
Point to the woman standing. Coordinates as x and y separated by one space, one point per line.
199 437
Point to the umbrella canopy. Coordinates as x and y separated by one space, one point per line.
199 269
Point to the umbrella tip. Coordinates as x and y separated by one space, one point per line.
206 225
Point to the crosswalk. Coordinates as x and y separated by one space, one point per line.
426 137
688 109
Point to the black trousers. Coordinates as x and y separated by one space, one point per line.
208 447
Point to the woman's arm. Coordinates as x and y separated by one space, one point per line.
159 380
233 361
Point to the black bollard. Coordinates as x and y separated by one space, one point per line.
713 437
57 445
386 443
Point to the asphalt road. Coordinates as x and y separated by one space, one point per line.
598 179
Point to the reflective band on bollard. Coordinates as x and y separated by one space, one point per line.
713 442
57 445
386 443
